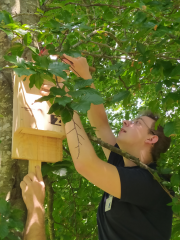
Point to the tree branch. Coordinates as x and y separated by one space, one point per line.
123 82
50 199
104 56
66 151
131 158
88 36
66 34
74 203
141 84
113 37
91 5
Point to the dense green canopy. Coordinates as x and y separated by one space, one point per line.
135 48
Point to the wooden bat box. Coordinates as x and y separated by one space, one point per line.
36 136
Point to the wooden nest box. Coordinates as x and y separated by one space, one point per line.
36 136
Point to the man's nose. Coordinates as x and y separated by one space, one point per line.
126 123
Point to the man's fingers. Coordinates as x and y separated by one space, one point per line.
46 87
39 174
67 61
32 176
43 93
27 180
23 186
69 58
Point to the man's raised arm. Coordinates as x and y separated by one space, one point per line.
97 115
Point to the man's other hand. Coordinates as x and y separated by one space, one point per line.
78 66
33 190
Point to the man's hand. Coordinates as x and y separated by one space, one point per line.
79 66
33 190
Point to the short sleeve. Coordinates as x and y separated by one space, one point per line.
138 186
115 159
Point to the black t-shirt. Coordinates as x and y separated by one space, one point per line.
141 213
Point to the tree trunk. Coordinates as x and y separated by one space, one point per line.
11 171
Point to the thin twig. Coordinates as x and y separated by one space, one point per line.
123 82
66 151
75 207
66 34
50 200
113 37
92 5
105 56
88 36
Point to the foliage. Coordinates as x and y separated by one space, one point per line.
10 221
135 50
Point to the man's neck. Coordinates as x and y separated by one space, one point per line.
142 154
128 163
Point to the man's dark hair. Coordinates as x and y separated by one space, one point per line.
163 143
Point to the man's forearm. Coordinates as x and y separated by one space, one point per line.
80 147
35 226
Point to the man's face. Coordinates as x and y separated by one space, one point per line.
135 132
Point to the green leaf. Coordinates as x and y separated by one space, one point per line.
1 116
57 68
57 91
42 61
81 106
62 100
48 77
66 115
158 86
176 209
17 49
76 93
54 108
139 17
108 14
46 168
16 224
83 83
44 98
33 49
141 48
3 206
175 71
3 229
83 27
175 180
16 213
9 33
49 39
11 236
15 60
27 39
37 80
92 98
172 128
5 17
51 49
23 71
120 96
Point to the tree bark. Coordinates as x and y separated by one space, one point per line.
12 171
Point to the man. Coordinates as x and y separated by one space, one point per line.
134 205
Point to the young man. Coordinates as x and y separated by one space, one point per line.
134 205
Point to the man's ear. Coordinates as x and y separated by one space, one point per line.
152 139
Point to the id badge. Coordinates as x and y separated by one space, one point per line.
108 203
